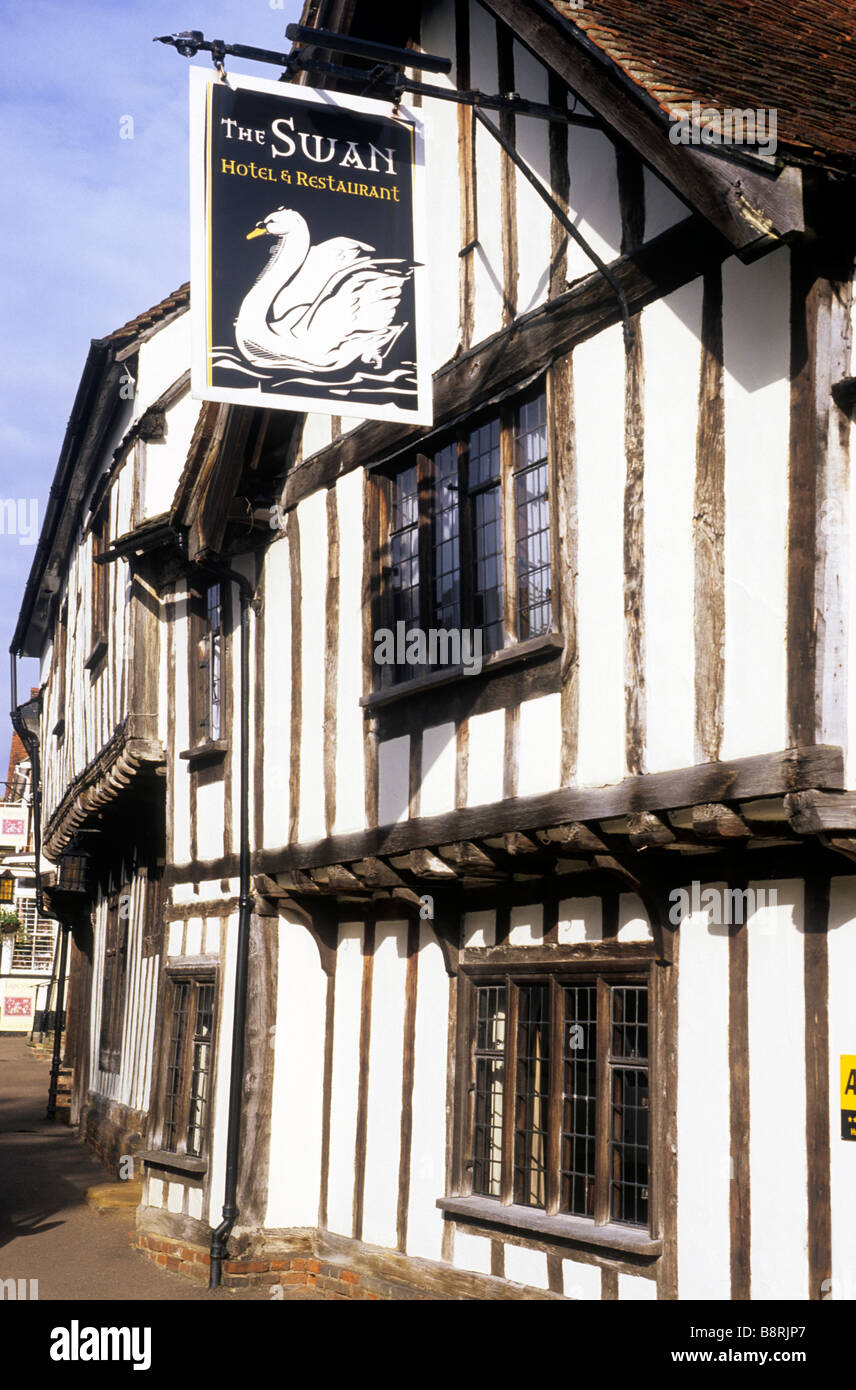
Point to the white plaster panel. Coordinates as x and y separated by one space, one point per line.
176 937
162 359
486 753
777 1134
703 1111
580 919
155 1192
663 208
298 1087
842 1041
346 1071
533 216
479 928
439 760
671 331
539 745
313 578
472 1252
194 1203
633 924
487 257
599 404
581 1281
526 925
393 759
350 721
756 337
193 937
386 1053
428 1140
525 1266
442 191
277 702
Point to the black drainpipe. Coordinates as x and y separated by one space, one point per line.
31 743
221 1235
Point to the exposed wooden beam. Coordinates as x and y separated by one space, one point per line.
645 828
810 812
713 821
769 774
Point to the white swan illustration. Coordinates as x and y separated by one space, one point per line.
319 307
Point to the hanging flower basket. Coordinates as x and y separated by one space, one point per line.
10 922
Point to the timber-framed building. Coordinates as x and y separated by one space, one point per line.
551 964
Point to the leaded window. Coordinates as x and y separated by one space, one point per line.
560 1087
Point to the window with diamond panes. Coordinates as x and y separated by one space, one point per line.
187 1083
569 1093
447 567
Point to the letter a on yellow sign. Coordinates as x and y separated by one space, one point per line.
848 1096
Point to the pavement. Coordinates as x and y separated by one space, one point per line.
48 1232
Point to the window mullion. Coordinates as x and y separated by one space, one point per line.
465 532
604 1105
509 1112
509 545
554 1112
426 504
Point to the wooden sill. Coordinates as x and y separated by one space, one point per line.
630 1239
211 751
543 648
180 1163
98 651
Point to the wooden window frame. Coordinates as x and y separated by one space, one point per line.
100 596
384 679
194 977
205 750
601 1229
114 978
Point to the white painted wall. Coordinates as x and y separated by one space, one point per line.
312 517
296 1105
346 1069
671 331
756 336
842 1041
599 406
428 1139
703 1113
386 1053
777 1106
350 720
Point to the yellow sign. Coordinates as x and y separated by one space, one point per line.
848 1097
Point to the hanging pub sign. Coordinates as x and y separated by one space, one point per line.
307 289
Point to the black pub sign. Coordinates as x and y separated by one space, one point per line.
307 272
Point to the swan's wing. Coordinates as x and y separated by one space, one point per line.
366 302
323 263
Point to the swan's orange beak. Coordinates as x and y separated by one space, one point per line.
257 231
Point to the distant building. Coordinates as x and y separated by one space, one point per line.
507 1036
27 952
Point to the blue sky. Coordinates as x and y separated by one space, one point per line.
94 227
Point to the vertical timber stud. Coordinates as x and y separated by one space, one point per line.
563 489
363 1086
815 924
292 532
374 558
466 175
631 192
560 181
738 1072
807 457
709 529
407 1070
331 660
507 124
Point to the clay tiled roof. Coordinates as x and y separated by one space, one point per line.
179 299
797 56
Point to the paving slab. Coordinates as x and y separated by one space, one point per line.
47 1230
